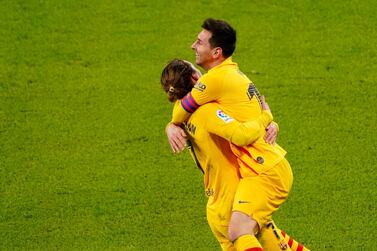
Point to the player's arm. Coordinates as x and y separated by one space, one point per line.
183 108
247 132
236 132
272 128
206 89
176 135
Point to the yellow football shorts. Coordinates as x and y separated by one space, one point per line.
219 212
261 195
220 231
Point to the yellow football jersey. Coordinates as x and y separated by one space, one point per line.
210 130
226 85
237 96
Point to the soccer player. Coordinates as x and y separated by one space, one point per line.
266 174
213 154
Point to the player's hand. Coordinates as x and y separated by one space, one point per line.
272 131
176 137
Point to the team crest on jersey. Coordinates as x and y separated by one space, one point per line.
283 245
210 192
200 86
223 116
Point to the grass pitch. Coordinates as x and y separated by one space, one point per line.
84 160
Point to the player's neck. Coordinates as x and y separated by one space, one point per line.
213 64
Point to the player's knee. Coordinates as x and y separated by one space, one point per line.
240 224
233 233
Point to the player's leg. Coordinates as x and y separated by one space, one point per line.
295 245
280 179
227 245
243 225
220 232
273 239
258 197
241 232
219 229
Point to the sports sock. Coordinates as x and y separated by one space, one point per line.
272 239
295 246
247 242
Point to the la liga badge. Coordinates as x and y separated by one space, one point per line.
223 116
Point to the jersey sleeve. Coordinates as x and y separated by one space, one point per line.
180 115
207 89
238 133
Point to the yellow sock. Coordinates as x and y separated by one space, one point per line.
295 246
272 240
247 242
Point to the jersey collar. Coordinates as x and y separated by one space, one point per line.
225 63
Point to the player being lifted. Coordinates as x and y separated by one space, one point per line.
266 174
208 129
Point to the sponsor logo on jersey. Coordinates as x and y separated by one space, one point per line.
200 86
223 116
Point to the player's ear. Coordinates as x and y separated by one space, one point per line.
217 52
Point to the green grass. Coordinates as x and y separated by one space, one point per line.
84 161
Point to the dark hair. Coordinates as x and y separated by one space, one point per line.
223 35
176 79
